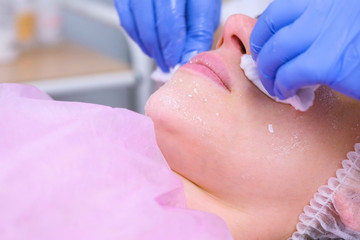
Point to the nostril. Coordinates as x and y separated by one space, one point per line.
238 43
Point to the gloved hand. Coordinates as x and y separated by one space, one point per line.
299 43
170 31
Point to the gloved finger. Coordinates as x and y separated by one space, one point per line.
343 58
340 69
288 43
348 81
278 15
127 21
171 26
145 19
202 20
305 70
325 62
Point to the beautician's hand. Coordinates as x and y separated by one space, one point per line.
299 43
170 31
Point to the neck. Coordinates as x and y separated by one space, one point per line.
242 222
199 199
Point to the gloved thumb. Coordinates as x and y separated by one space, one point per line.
202 20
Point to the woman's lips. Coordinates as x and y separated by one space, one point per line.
212 67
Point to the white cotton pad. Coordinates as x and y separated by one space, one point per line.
159 76
303 99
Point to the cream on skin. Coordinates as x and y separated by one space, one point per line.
215 137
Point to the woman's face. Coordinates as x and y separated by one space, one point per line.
217 130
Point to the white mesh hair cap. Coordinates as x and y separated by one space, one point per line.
334 212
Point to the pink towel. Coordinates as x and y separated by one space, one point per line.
81 171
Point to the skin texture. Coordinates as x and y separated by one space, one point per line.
220 143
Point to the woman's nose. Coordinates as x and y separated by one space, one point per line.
236 33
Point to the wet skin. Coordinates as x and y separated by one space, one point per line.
252 161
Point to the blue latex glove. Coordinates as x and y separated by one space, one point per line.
170 31
299 43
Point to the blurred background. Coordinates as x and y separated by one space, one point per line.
75 50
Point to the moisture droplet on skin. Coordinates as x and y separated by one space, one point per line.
271 129
217 114
196 91
190 96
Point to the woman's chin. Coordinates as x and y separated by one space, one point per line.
168 126
179 134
